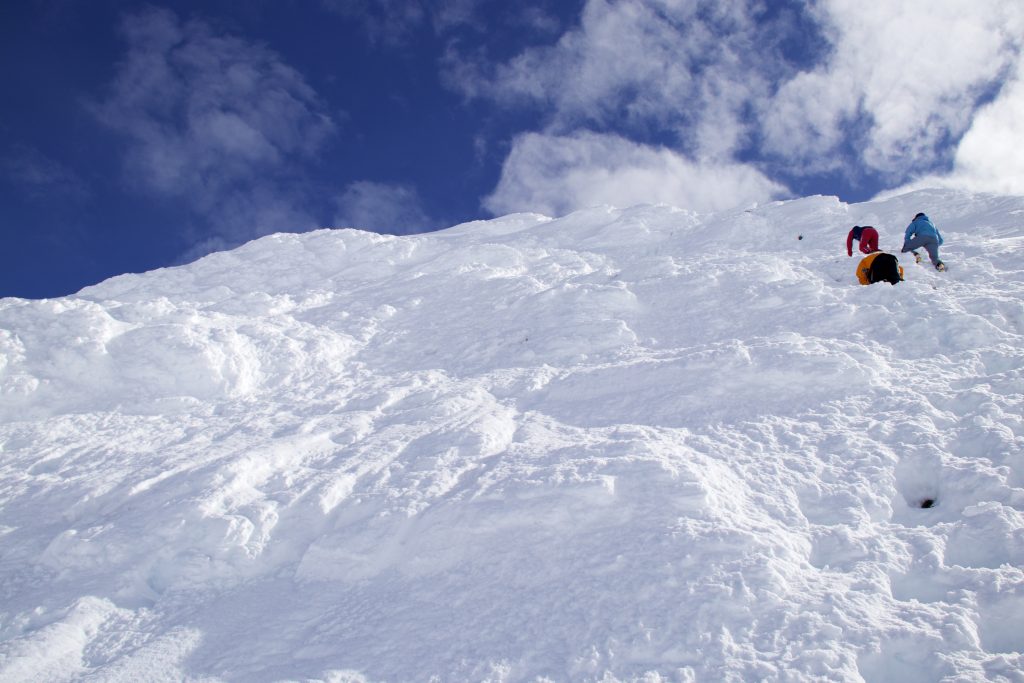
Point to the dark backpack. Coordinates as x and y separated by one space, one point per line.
885 268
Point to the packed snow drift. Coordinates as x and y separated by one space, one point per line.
623 445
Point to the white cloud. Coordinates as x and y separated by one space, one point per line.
681 72
554 175
637 65
248 212
537 20
894 88
807 135
901 81
217 121
451 14
988 158
381 207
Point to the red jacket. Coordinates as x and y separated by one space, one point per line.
868 237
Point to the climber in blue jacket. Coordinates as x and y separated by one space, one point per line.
922 233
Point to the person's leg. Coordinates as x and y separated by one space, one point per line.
915 242
869 243
930 244
932 247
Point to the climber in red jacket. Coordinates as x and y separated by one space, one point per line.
867 236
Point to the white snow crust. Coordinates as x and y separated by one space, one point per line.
623 445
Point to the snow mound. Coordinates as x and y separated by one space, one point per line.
623 445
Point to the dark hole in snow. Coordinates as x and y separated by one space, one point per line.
927 503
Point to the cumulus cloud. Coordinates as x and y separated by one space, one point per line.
641 67
901 81
988 158
884 91
643 102
215 120
382 207
555 174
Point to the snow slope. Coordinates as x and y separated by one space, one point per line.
624 445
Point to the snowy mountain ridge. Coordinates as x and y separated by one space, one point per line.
622 445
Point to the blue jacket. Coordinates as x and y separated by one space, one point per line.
922 226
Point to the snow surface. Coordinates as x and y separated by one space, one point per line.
624 445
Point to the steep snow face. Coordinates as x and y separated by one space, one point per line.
623 445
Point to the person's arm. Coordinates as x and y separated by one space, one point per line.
849 244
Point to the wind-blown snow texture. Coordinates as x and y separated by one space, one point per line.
625 445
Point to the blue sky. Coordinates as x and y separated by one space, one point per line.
140 135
